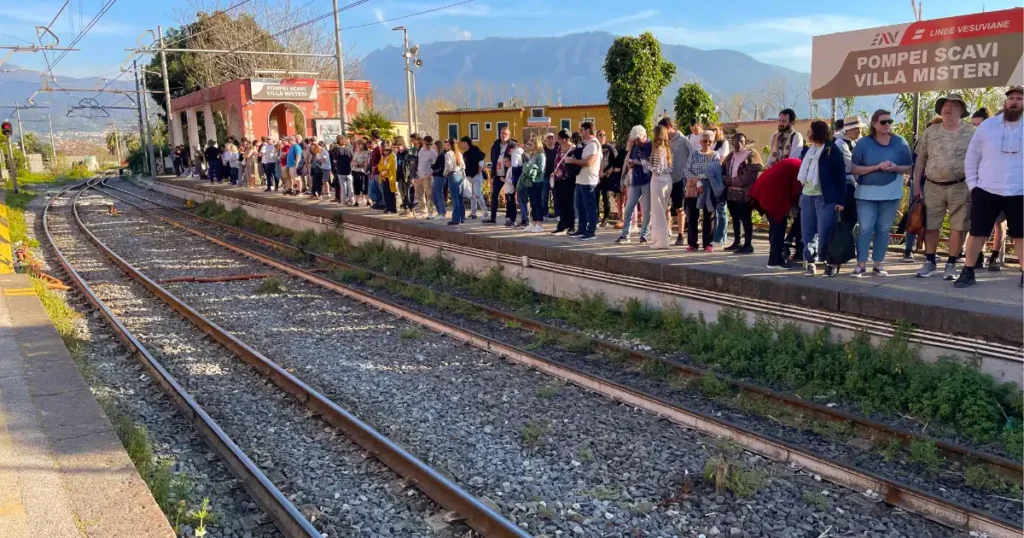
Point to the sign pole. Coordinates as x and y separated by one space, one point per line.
341 71
14 165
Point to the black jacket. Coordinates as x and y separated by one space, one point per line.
438 166
341 160
832 174
495 150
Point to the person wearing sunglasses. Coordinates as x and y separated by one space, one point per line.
879 162
995 175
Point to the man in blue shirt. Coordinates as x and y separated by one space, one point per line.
293 162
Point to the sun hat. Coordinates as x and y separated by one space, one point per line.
952 97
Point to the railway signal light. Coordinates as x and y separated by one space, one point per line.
7 128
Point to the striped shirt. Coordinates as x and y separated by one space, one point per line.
660 164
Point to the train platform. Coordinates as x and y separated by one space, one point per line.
992 310
63 471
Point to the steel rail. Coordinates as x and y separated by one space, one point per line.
883 329
907 497
286 517
1005 467
446 493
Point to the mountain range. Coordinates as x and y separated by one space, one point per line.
18 84
570 67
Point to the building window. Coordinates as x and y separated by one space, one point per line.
453 130
566 124
487 126
536 112
474 131
502 125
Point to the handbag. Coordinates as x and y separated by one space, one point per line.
841 243
915 219
627 177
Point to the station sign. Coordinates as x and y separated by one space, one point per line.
286 89
969 51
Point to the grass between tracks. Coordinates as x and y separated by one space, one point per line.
889 378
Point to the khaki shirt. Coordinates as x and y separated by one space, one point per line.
945 152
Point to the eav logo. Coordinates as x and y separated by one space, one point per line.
885 38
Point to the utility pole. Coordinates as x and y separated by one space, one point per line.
138 105
341 71
408 73
21 132
53 145
14 165
144 97
415 127
167 89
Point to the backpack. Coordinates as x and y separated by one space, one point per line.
573 170
841 243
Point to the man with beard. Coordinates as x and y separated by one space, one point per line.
995 175
786 143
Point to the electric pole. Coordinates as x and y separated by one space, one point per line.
138 105
408 73
21 132
341 71
167 89
53 145
144 97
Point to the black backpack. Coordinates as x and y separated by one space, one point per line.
573 170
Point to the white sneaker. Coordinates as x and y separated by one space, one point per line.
536 228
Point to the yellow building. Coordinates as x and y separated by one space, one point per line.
760 132
484 124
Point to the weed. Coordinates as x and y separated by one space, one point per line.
601 493
63 316
711 386
493 285
270 286
549 391
978 476
577 343
840 431
815 499
641 508
584 454
411 333
576 516
655 369
513 324
546 511
728 474
352 275
532 431
924 454
891 449
616 355
543 338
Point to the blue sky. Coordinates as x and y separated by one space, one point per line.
775 31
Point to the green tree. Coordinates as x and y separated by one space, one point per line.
693 102
369 120
636 75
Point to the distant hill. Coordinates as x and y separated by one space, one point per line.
541 66
21 84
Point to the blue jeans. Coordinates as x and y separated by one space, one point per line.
523 198
496 184
721 224
643 195
815 219
538 208
876 217
455 180
586 204
437 195
545 194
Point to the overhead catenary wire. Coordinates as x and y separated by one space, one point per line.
85 30
408 16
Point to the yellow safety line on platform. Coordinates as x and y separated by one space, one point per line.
6 254
19 292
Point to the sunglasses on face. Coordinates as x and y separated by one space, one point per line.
705 141
886 122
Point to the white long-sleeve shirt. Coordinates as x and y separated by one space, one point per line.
451 165
988 166
424 160
268 153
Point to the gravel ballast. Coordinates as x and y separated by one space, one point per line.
503 431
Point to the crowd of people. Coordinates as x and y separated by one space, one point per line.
968 172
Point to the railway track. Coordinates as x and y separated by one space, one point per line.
948 512
184 362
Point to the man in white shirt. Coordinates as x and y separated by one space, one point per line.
423 184
586 182
268 158
995 175
695 131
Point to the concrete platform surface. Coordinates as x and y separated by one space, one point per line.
993 309
63 471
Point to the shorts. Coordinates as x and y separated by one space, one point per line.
955 198
678 190
987 206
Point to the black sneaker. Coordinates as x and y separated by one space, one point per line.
830 270
679 240
589 237
488 221
731 248
575 233
786 265
622 239
643 240
995 262
966 278
745 249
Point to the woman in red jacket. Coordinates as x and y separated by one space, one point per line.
774 193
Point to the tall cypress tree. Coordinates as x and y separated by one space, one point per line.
636 75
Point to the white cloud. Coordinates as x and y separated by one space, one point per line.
463 35
617 21
379 14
